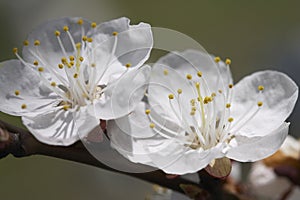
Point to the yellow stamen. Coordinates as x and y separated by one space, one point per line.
17 92
37 43
78 45
93 65
36 63
199 73
15 50
171 96
64 60
57 33
230 86
147 112
72 58
228 61
93 24
60 66
228 105
66 28
84 38
75 75
53 84
80 22
151 125
166 72
213 94
192 113
179 91
115 33
259 103
41 69
217 59
81 58
261 88
90 39
66 107
189 76
128 65
230 119
26 42
23 106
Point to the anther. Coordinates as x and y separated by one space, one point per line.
192 113
179 91
151 125
80 22
228 105
199 73
260 88
217 59
53 84
189 76
90 39
259 103
37 43
75 75
81 58
15 50
72 58
17 92
26 42
220 91
78 45
66 28
115 33
23 106
128 65
93 24
171 96
93 65
230 119
84 38
66 107
147 112
213 94
228 61
41 69
57 33
60 66
36 63
166 72
230 86
64 60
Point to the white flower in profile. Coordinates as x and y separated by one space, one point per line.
68 70
194 115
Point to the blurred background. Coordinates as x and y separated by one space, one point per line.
256 35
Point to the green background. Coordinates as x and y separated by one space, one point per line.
256 35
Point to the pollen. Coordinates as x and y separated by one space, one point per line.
230 86
84 38
41 69
72 58
151 125
81 58
199 73
66 28
228 61
260 88
147 112
189 76
80 22
93 24
15 50
60 66
75 75
260 103
36 63
115 33
128 65
166 72
17 92
228 105
26 43
57 33
53 84
230 119
90 39
217 59
66 107
179 91
37 43
23 106
171 96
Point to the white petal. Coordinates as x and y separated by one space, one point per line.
121 97
59 127
250 149
49 52
14 76
279 97
217 76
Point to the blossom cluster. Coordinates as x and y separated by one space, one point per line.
180 115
